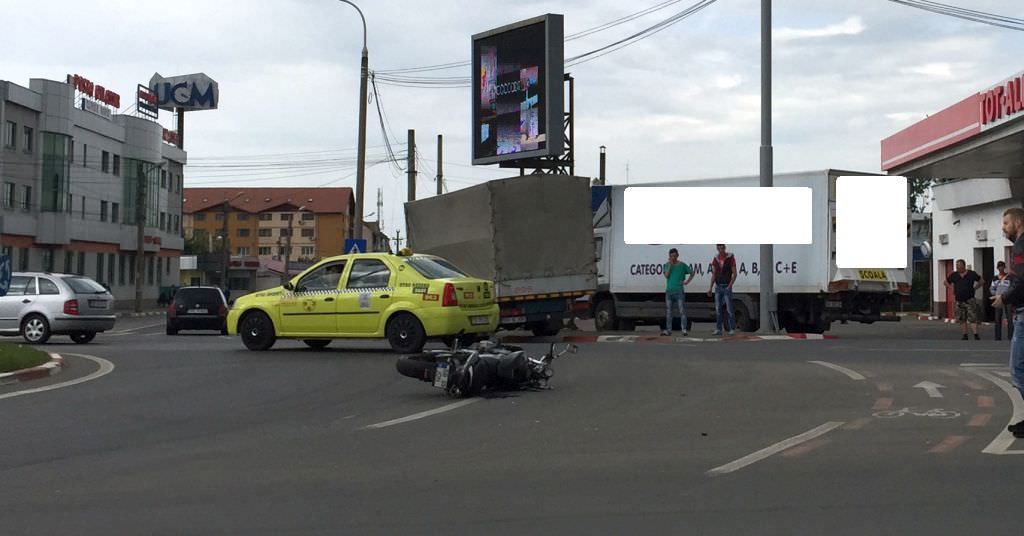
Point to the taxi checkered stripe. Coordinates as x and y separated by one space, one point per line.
339 291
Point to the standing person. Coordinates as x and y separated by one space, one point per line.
1013 229
675 271
723 275
1000 284
964 282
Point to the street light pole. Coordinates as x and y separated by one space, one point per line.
361 158
767 306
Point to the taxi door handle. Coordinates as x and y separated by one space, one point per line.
384 296
328 299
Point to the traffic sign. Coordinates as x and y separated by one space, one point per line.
355 245
5 274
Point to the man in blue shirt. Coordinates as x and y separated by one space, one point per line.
675 271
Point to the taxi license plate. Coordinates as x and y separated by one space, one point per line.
479 320
872 275
198 311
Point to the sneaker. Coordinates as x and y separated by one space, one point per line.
964 338
1018 434
732 332
1015 427
716 333
685 333
976 337
666 333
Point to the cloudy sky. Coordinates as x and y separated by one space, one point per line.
683 104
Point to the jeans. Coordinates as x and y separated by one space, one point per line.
673 297
723 298
1017 352
1005 311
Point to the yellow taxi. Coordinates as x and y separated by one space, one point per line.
405 298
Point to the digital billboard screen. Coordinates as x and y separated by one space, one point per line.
517 92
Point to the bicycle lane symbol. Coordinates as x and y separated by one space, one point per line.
935 413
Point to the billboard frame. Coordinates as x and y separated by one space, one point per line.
554 100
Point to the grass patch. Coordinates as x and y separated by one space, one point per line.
19 356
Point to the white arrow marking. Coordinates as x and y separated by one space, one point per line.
931 388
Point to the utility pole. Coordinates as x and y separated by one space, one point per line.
140 231
766 306
361 158
601 177
440 164
287 249
411 164
227 249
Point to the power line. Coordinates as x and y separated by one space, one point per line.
984 17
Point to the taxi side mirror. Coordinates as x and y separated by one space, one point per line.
288 286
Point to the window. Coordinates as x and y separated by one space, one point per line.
308 251
159 270
325 277
11 135
103 211
99 267
22 285
434 268
105 162
28 140
149 270
266 216
369 273
8 195
308 216
85 153
47 287
266 232
286 217
286 232
167 266
110 268
115 212
307 233
243 251
84 285
280 250
163 178
131 269
70 199
181 181
69 260
120 269
177 223
117 165
163 221
23 259
243 232
81 263
200 216
243 216
83 207
264 251
26 198
220 216
47 260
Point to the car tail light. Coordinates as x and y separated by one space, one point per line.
449 299
71 307
172 310
222 310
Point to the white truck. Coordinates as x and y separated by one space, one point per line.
812 291
532 235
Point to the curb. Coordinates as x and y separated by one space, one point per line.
54 366
139 315
948 320
659 339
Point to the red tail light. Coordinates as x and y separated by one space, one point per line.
71 307
449 299
223 310
172 310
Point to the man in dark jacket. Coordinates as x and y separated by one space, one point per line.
1013 229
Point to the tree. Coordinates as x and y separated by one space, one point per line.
198 243
918 189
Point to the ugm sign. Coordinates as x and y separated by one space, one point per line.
188 92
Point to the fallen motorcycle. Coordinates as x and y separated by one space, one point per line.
485 365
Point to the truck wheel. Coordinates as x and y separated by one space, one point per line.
604 316
742 315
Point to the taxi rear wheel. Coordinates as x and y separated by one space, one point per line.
257 331
317 344
406 334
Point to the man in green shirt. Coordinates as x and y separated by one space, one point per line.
675 271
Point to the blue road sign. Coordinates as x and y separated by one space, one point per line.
355 245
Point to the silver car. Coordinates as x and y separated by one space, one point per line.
38 305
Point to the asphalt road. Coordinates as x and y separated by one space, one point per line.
193 434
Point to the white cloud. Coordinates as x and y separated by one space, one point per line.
851 26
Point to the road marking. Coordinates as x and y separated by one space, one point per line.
800 450
120 332
935 413
949 444
931 388
986 402
968 365
106 367
975 386
423 414
775 449
882 403
980 420
1001 444
857 424
853 375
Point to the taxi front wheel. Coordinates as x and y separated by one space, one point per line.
406 334
257 331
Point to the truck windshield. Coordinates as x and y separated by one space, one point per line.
434 268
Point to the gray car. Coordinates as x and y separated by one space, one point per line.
38 305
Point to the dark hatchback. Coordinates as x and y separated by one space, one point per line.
197 308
